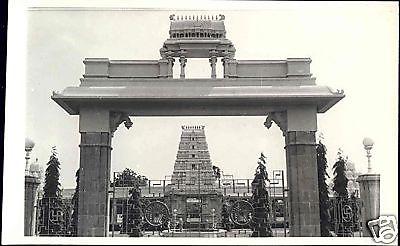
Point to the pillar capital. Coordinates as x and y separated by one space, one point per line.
182 60
213 53
213 60
170 59
227 55
182 53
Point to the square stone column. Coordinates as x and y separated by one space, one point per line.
370 197
298 125
301 166
95 159
31 187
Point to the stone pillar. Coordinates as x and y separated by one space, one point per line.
213 63
299 124
183 61
31 188
225 65
96 126
95 159
171 61
370 197
301 166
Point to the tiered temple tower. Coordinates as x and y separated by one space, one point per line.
193 170
193 191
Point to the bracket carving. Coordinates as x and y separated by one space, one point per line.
116 118
280 119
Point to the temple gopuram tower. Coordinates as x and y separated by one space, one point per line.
193 164
193 191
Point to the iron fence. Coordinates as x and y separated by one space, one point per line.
54 217
172 208
346 219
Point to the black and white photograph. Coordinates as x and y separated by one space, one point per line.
220 122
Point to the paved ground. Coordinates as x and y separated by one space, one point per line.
278 232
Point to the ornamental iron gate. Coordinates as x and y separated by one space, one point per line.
346 217
204 209
54 217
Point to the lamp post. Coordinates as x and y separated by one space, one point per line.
369 191
29 144
32 183
368 144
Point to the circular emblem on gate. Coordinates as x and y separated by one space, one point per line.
156 213
347 213
241 212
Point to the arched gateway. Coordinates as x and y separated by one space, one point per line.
282 90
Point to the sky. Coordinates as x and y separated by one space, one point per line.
352 46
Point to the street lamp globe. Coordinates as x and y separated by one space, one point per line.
368 143
29 144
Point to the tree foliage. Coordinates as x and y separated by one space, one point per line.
75 204
51 184
225 221
217 172
52 217
322 165
132 218
129 178
340 180
342 197
260 220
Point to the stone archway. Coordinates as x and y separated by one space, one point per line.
282 90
